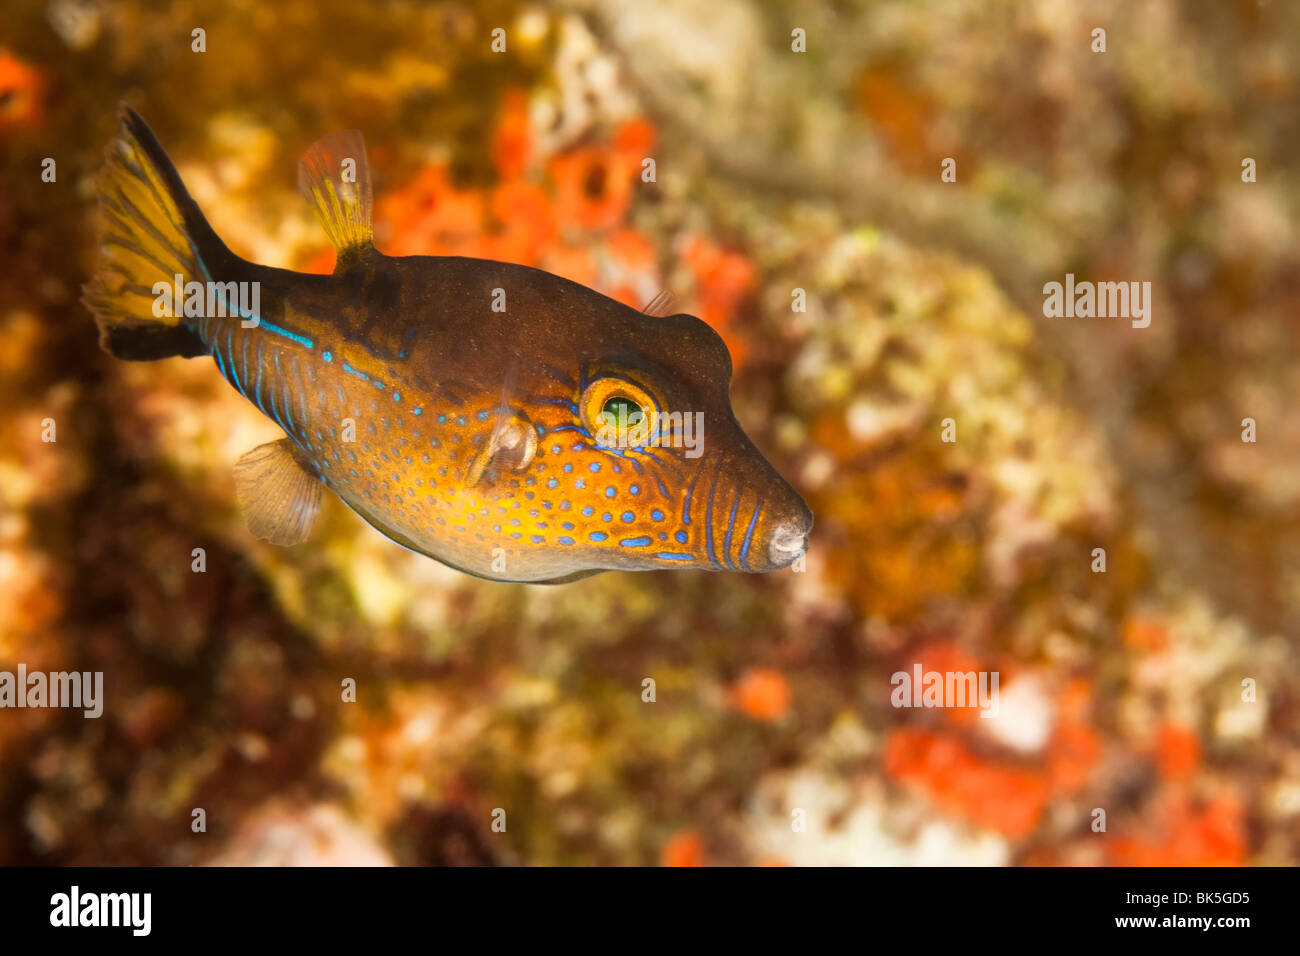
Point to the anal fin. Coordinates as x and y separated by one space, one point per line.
280 499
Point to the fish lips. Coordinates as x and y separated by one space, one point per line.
787 538
789 542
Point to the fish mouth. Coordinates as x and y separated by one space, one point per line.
789 543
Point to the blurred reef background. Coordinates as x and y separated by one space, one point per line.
776 171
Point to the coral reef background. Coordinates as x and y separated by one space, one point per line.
775 171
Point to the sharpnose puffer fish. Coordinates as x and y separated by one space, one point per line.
505 421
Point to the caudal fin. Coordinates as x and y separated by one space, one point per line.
150 232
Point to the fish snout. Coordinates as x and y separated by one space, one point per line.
787 540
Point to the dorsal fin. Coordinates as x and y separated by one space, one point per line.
335 178
661 305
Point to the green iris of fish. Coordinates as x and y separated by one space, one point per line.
505 421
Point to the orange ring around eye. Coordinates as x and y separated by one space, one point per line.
607 435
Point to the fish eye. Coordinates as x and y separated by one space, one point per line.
618 413
621 412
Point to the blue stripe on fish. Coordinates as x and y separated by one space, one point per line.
270 394
230 350
731 523
285 382
302 392
292 336
573 428
749 533
243 352
708 522
539 400
257 391
690 490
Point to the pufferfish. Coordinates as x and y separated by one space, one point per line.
507 422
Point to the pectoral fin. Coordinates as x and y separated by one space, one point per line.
280 499
511 446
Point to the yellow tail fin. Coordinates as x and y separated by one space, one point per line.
145 238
